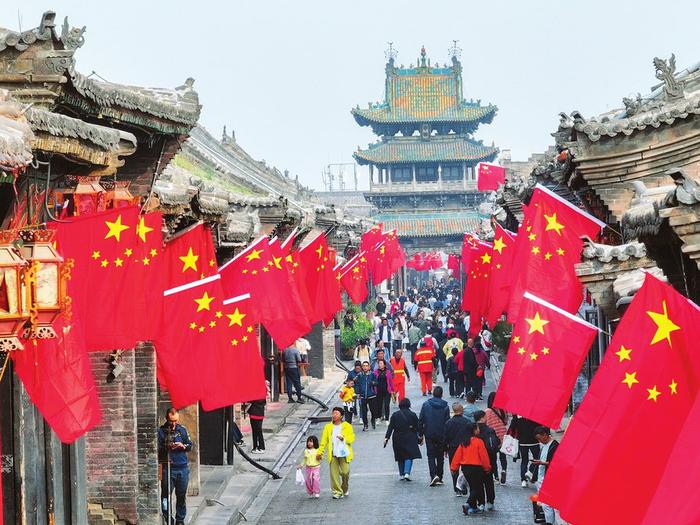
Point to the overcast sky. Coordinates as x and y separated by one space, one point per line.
284 75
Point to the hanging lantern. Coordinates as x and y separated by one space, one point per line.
120 196
46 282
14 311
88 196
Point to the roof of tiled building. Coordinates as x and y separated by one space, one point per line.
429 224
448 148
426 109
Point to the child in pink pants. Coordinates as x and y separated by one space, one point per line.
312 474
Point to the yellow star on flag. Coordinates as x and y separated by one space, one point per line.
516 338
128 252
552 223
244 339
249 329
236 318
142 229
204 302
265 269
104 263
201 329
664 326
536 324
319 250
547 256
153 252
630 379
146 261
532 236
498 245
277 261
653 393
623 353
355 270
533 356
189 261
118 262
193 326
212 262
219 314
521 350
560 251
545 351
212 324
116 228
485 259
234 342
535 250
95 255
673 386
255 254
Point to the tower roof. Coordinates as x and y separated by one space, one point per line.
446 148
424 93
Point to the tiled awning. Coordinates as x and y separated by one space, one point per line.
429 224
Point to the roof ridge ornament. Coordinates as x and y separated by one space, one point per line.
391 53
665 71
72 37
455 52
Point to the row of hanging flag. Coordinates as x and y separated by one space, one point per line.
129 286
650 373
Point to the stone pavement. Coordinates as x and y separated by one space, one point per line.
376 493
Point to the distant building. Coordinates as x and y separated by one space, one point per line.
353 202
423 169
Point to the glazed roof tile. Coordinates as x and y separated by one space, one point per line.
429 224
448 148
434 109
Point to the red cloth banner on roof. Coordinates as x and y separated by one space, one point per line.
490 176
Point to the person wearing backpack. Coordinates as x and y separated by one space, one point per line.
497 419
493 444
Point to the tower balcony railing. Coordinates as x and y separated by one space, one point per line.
440 185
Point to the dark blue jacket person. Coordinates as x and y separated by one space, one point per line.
173 445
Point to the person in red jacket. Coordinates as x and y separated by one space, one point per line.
424 363
473 459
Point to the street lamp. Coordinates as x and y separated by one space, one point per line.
14 311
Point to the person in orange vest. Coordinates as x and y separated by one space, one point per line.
424 360
401 374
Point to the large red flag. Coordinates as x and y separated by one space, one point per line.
208 352
453 264
115 276
548 246
650 375
275 301
57 376
475 296
316 263
371 238
470 241
190 255
490 176
354 278
501 268
545 355
386 258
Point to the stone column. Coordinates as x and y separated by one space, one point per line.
464 175
439 176
389 177
413 168
371 176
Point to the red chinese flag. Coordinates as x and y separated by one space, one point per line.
377 260
388 256
239 375
501 268
453 264
547 349
470 241
190 255
354 278
650 376
275 302
114 277
548 246
490 177
475 296
316 262
416 262
371 238
57 376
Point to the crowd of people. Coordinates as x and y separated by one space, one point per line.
424 333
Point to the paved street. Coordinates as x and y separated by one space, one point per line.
377 495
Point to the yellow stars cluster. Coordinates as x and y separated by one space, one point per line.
235 320
554 225
664 328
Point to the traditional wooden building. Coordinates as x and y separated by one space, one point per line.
423 168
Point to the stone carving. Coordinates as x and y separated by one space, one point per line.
72 37
632 104
665 71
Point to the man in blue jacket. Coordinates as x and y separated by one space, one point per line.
173 445
431 424
366 391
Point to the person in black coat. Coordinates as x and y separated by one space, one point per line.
455 430
431 423
403 424
528 445
493 444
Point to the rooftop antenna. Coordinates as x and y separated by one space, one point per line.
455 51
391 53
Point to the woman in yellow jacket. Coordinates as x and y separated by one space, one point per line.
338 436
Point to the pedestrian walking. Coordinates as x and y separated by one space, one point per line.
414 336
424 360
548 447
470 367
256 413
431 425
493 444
366 391
362 351
482 364
347 396
452 373
401 374
472 459
403 431
312 467
337 438
173 445
292 359
385 387
455 430
497 419
470 406
528 446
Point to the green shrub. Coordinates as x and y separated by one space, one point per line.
349 337
501 335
